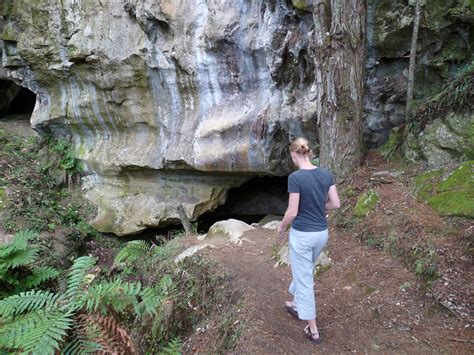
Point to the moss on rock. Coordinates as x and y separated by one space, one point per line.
450 194
366 203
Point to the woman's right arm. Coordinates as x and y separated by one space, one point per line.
333 199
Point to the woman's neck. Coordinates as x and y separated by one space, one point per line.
306 164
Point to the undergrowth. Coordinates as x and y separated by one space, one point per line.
196 287
38 178
457 95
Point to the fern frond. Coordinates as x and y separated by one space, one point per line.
153 297
174 347
20 242
83 337
38 332
132 251
38 276
75 278
111 337
19 258
116 294
29 301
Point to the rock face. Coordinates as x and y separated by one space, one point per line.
445 42
166 102
448 139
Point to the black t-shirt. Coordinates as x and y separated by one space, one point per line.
313 186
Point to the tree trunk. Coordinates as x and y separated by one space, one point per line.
338 46
411 67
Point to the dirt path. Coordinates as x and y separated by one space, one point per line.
367 302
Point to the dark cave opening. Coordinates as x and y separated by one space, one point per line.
250 202
15 100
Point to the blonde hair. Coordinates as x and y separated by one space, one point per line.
300 146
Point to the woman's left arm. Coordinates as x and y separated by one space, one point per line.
291 212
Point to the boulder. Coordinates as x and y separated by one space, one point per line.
232 229
448 140
191 251
272 225
283 259
269 218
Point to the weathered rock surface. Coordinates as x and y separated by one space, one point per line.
283 259
232 229
166 103
445 43
448 140
192 251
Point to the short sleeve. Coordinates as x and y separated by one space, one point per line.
293 185
330 179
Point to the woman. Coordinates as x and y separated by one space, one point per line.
312 193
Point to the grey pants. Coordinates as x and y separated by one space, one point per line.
305 248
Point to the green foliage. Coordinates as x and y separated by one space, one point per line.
40 321
457 96
18 269
175 297
132 251
425 257
393 145
174 347
41 172
67 161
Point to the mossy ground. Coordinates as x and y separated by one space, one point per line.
449 192
366 203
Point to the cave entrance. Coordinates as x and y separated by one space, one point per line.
15 100
250 202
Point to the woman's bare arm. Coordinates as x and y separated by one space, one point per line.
291 212
333 199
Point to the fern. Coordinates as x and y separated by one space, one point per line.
132 251
39 322
18 271
39 275
38 332
117 294
20 241
27 302
174 347
77 274
153 297
95 333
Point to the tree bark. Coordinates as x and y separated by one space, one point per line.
411 67
338 48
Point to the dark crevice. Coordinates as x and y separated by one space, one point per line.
15 99
250 202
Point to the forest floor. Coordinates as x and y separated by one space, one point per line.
371 299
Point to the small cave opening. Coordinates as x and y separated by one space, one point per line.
250 202
15 100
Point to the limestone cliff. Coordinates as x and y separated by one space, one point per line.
167 102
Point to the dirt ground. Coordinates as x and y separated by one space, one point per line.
369 301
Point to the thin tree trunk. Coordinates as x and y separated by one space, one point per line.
411 67
338 46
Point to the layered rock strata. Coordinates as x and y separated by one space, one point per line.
166 102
